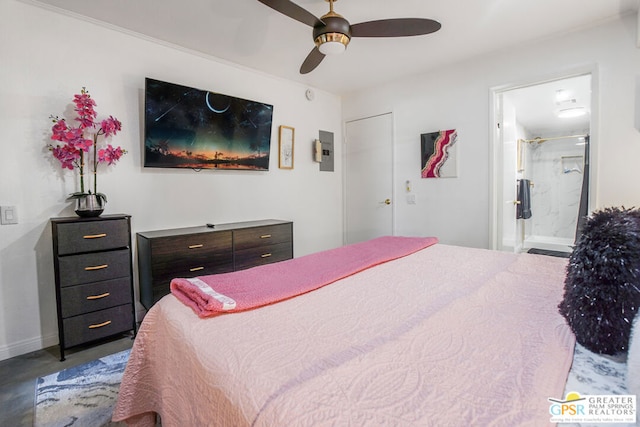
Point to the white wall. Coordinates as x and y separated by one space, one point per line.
458 97
46 58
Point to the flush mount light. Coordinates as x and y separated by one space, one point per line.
572 112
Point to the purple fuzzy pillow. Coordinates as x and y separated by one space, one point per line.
602 287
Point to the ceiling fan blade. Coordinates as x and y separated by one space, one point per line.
314 59
401 27
294 11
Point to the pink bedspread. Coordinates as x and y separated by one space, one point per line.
447 336
256 287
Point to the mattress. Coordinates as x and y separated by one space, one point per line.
444 336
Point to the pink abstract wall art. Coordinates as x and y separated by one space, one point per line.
438 151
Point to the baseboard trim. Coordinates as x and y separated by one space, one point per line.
27 346
40 343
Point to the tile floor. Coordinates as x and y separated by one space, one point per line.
18 375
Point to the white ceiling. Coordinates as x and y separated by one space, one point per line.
248 33
537 107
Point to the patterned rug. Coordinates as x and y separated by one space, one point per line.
83 395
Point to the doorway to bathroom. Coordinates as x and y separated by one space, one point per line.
542 148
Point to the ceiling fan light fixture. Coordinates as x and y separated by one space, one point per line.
332 43
332 32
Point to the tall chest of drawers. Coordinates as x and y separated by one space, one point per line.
93 276
200 251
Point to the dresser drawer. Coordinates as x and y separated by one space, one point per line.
162 282
96 325
164 277
94 267
189 267
258 236
263 255
199 245
182 256
96 296
78 237
189 245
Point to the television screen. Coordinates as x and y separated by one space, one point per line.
198 129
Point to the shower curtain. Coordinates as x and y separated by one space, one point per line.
583 210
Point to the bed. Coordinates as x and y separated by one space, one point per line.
442 336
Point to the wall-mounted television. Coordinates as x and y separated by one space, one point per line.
186 127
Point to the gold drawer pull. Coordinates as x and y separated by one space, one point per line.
96 267
100 325
265 255
265 236
106 294
196 269
195 246
94 236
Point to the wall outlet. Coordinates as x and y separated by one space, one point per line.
411 199
8 215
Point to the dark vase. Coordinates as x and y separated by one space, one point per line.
89 206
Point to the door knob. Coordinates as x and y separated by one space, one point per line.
387 201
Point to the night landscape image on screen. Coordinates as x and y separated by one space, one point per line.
193 128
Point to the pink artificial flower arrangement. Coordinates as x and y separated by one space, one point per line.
74 145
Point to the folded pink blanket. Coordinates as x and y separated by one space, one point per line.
267 284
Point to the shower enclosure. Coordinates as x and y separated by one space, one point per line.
557 169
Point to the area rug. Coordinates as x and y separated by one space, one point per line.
82 395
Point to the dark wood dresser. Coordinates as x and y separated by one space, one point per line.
200 251
93 275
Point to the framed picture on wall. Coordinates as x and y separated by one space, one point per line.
285 157
439 155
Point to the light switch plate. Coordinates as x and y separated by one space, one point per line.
8 215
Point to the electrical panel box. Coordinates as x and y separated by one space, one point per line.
326 138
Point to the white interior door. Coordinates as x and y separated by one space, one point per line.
369 178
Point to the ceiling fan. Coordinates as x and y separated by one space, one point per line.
332 32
